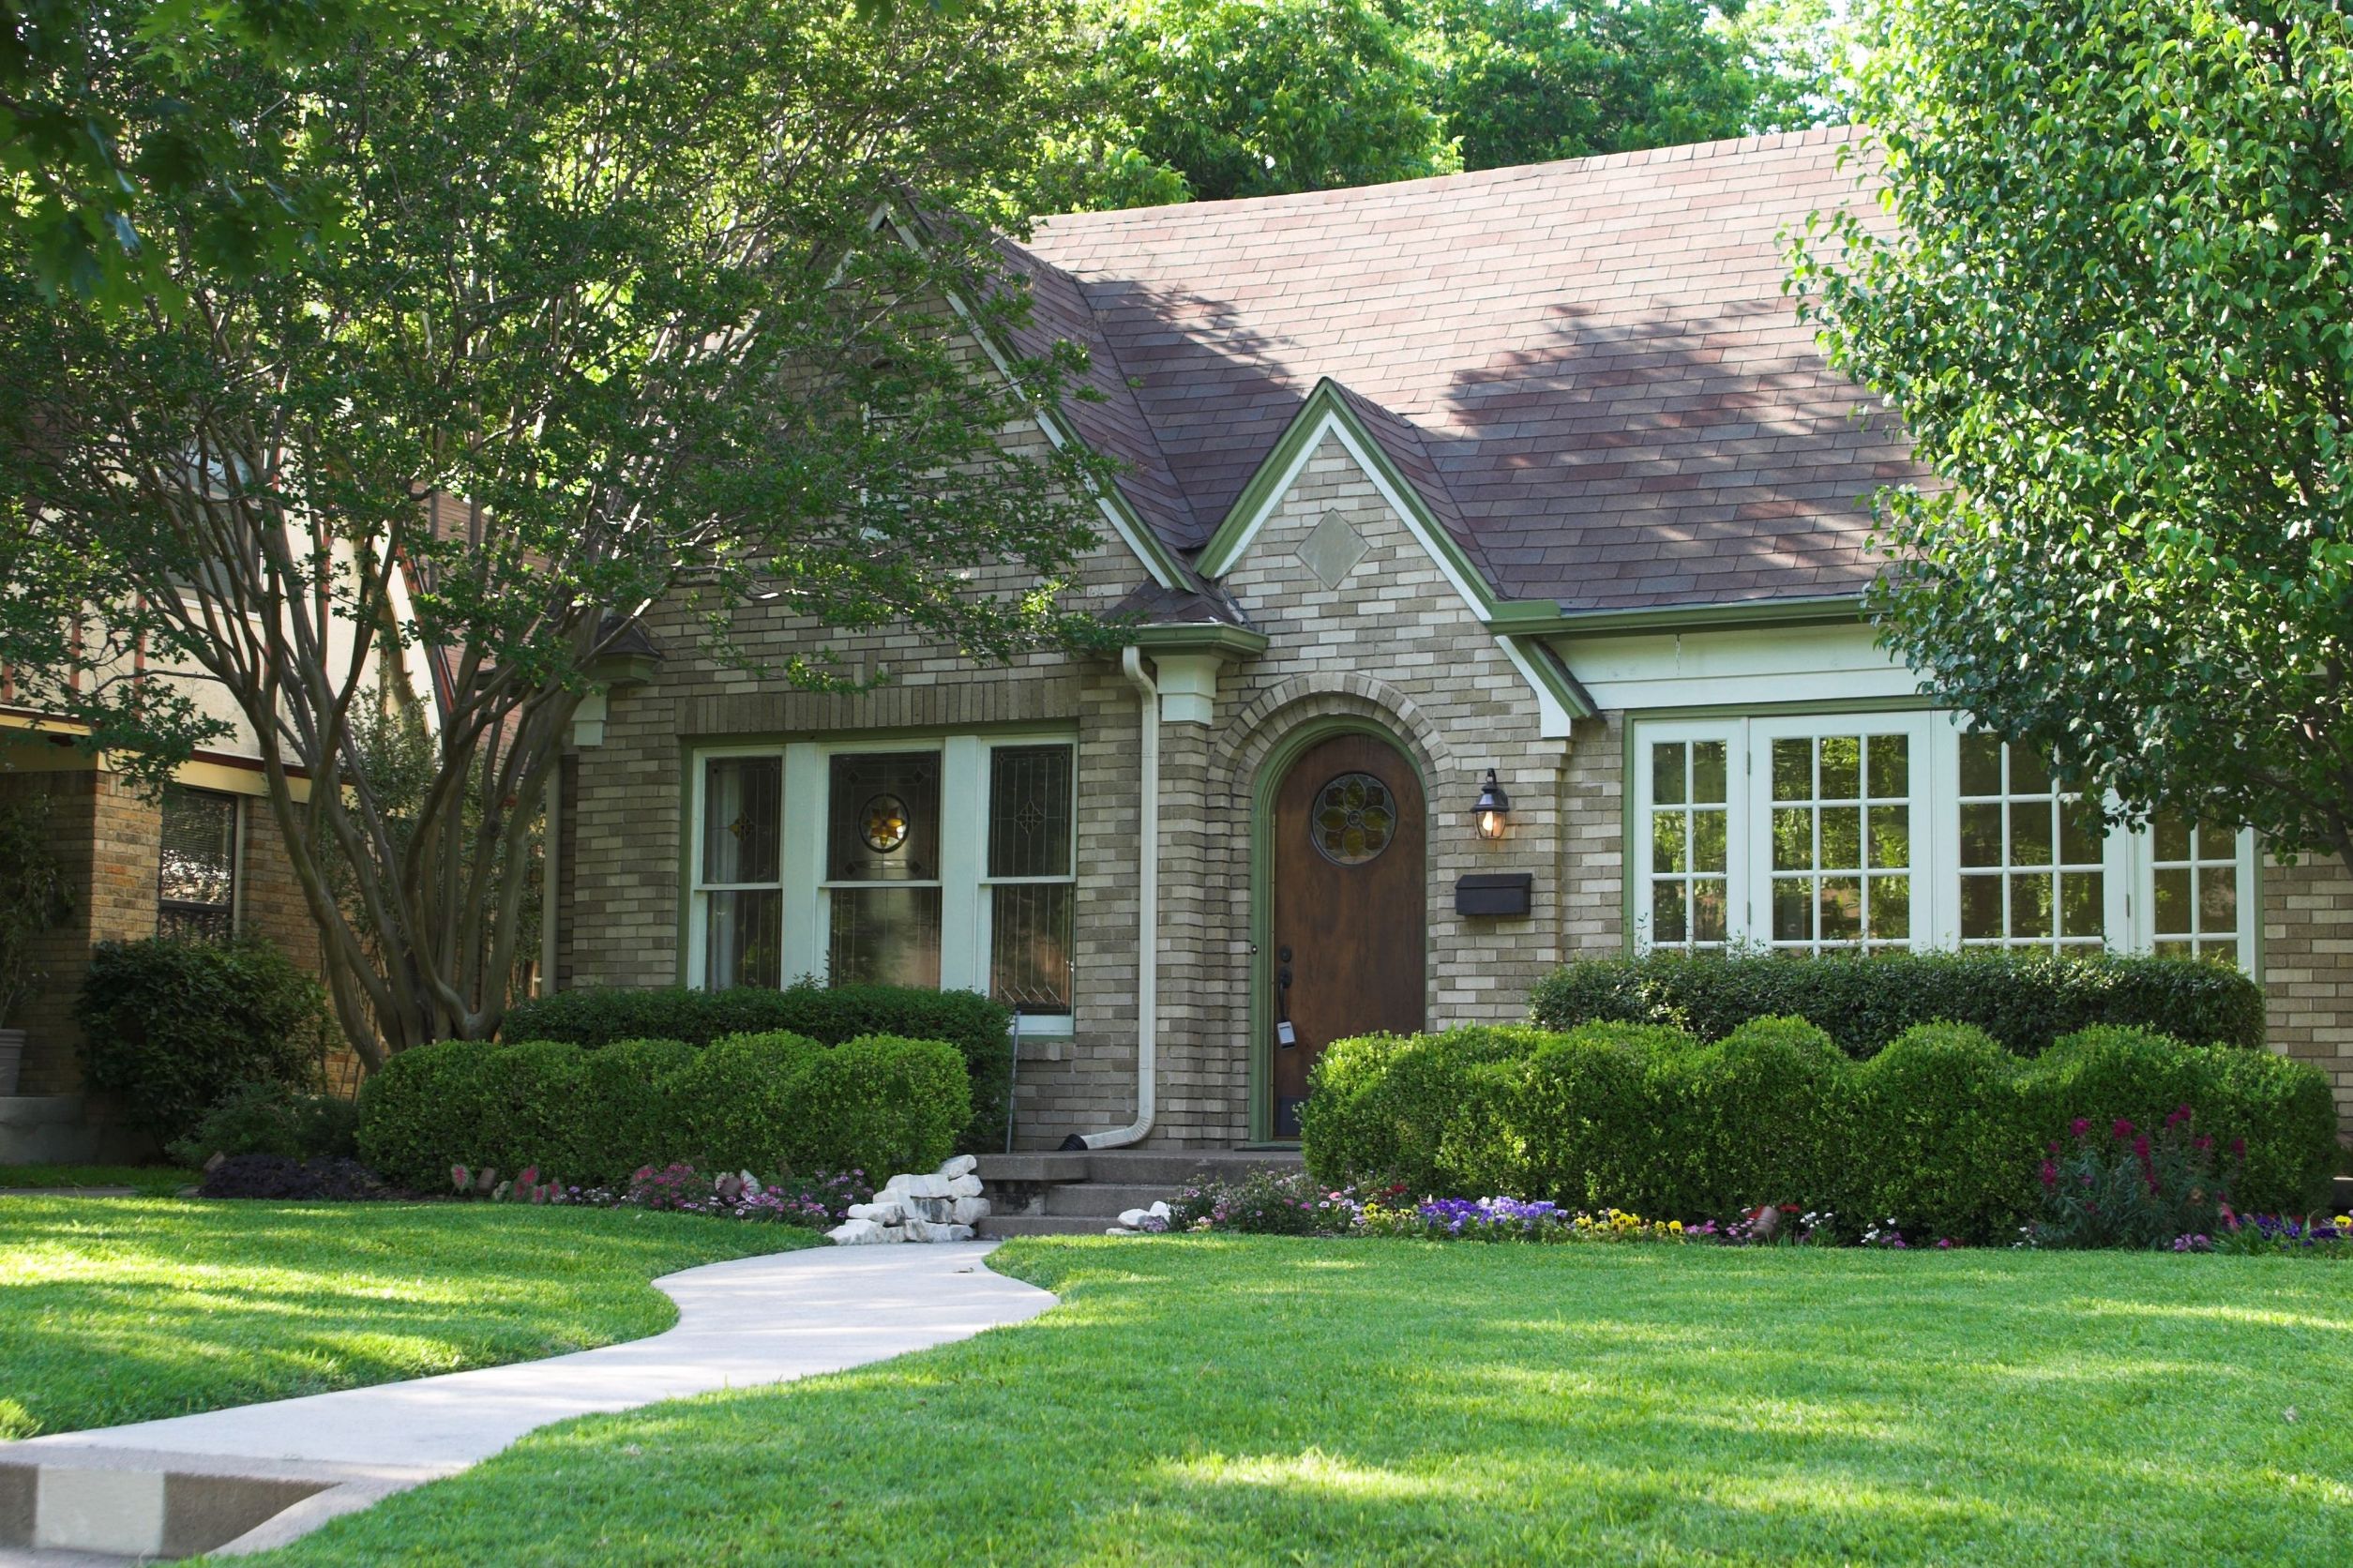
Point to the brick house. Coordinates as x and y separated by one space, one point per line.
1523 485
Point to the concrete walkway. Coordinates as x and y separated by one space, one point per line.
259 1475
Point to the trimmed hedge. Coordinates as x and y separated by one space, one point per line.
830 1015
1943 1130
764 1102
2025 1000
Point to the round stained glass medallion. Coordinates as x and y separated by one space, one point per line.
883 823
1353 820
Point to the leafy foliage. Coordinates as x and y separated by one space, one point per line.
2022 1000
640 320
770 1102
830 1015
172 1027
1942 1130
2111 313
270 1118
2118 1184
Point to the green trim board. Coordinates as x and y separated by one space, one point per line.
1272 770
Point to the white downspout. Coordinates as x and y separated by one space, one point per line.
1147 923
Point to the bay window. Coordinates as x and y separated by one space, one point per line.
1873 832
939 862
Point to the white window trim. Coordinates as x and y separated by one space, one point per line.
963 879
2128 859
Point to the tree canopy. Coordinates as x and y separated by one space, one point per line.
612 275
2112 312
1246 97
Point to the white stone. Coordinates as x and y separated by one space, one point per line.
1133 1218
1160 1209
958 1164
963 1210
894 1185
933 1209
881 1211
858 1232
925 1187
1119 1230
924 1231
963 1186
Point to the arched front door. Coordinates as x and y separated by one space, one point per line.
1348 937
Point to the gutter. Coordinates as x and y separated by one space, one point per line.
1147 922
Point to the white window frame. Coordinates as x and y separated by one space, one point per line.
965 899
2128 860
698 891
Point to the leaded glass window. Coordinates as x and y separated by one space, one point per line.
196 873
1353 820
742 871
1841 836
1031 885
2032 858
2194 890
1689 872
882 871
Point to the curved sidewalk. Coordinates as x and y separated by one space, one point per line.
159 1486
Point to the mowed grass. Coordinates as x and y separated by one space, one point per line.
1228 1400
125 1309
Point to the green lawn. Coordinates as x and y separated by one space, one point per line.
127 1308
159 1180
1223 1400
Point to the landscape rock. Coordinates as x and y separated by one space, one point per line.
959 1165
963 1186
1133 1218
883 1211
963 1210
927 1186
860 1232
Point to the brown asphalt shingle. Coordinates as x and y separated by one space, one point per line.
1588 368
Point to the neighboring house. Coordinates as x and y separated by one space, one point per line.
1530 473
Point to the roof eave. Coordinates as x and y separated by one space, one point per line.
1544 618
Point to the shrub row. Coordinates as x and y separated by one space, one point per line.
764 1102
1944 1130
830 1015
2025 1000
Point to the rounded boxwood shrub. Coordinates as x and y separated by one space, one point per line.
830 1015
1942 1141
1762 1111
765 1103
2025 1000
170 1026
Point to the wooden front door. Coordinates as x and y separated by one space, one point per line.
1348 943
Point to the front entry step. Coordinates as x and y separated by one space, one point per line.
1075 1194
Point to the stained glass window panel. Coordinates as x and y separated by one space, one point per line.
885 936
1030 946
885 817
743 937
197 869
1028 811
742 819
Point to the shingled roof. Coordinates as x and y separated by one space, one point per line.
1588 368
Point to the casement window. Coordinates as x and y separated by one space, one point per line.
1866 833
196 868
947 862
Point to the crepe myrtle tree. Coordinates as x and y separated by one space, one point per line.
649 285
2112 311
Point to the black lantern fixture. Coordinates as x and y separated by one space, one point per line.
1493 808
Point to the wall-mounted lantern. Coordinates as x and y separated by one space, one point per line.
1493 809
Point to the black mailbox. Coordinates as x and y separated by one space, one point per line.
1494 893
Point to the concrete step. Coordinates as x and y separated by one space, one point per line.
1108 1199
997 1226
1177 1167
995 1170
135 1504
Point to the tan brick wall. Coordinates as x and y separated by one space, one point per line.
106 834
2308 968
1394 644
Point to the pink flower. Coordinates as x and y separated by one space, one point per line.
2122 1130
2081 1125
2051 1174
2180 1114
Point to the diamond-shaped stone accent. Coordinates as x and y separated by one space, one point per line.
1332 550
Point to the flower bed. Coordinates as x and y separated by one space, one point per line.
818 1202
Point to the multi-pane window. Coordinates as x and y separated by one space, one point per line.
1842 841
1031 877
741 873
944 861
2194 890
1690 804
2032 860
1874 832
882 877
196 874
